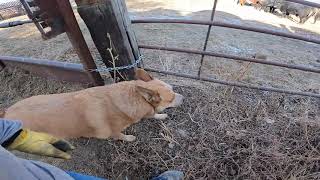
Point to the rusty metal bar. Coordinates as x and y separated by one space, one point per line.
61 71
227 25
75 73
213 11
307 3
290 66
77 40
242 85
30 15
15 23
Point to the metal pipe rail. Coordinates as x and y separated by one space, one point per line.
213 12
289 66
242 85
61 71
226 25
75 73
15 23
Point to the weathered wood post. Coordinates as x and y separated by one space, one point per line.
55 17
110 27
78 42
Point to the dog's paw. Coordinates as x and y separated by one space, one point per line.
160 116
129 138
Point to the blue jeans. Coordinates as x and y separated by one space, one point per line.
78 176
168 175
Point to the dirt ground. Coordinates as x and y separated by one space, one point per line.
220 132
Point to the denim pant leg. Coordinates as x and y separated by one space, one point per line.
78 176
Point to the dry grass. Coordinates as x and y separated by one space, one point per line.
16 85
245 134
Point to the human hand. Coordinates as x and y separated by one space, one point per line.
41 144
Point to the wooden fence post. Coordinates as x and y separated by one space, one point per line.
78 42
110 27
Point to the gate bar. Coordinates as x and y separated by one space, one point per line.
50 69
75 73
213 11
227 25
242 85
227 56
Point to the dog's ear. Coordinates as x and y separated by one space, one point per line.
141 74
150 96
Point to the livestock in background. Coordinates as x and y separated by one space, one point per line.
266 5
301 11
244 2
316 16
269 5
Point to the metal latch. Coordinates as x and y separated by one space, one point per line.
46 16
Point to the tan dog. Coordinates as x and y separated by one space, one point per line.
100 112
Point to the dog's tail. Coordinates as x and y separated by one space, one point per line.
2 113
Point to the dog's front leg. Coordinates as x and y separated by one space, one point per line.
124 137
160 116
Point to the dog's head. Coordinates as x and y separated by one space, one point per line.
156 92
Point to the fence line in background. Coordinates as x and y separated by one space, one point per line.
307 3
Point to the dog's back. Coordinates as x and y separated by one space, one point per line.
95 112
53 114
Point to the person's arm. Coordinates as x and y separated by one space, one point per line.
8 129
13 137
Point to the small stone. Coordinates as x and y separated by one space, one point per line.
269 121
182 132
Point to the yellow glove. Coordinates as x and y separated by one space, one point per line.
41 144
